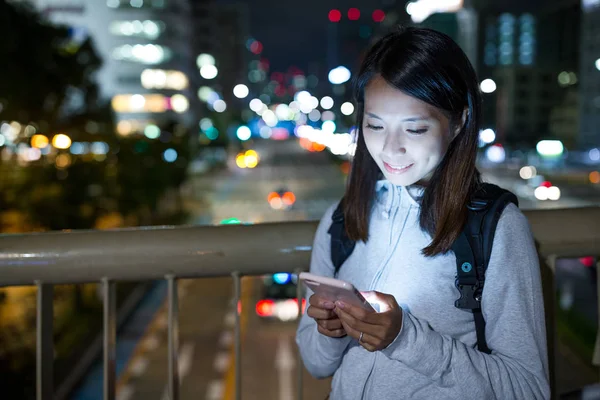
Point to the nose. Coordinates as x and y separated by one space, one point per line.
394 145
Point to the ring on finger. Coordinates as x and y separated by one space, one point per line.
360 337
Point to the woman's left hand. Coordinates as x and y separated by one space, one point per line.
378 329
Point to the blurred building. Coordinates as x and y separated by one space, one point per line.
148 61
531 56
232 37
589 74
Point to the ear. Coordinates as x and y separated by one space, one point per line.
463 119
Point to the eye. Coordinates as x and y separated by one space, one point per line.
373 127
417 131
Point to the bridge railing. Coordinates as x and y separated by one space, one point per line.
173 253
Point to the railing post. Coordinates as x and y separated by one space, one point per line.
44 341
547 272
110 338
173 337
300 371
237 285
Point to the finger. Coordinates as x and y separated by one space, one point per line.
355 333
319 313
320 302
337 333
356 323
358 312
330 324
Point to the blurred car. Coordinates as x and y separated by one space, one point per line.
547 191
278 300
281 199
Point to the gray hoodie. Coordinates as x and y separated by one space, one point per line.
435 355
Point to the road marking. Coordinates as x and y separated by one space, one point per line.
151 343
139 366
284 363
141 348
186 354
215 390
246 297
221 362
230 319
162 320
226 339
126 392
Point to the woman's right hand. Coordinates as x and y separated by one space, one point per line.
328 323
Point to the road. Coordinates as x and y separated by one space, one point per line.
269 360
206 312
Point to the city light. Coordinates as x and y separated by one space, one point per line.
123 103
219 106
152 131
347 108
61 141
170 155
496 154
487 136
209 71
256 105
594 154
243 133
270 118
39 141
142 53
353 14
598 64
420 10
205 93
549 148
335 15
314 115
326 102
488 86
527 172
339 75
328 126
378 16
241 91
205 59
179 103
206 124
161 79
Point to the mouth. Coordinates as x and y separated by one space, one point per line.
397 169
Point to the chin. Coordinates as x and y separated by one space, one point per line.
399 180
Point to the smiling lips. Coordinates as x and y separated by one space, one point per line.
400 169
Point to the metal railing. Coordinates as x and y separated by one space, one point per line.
171 253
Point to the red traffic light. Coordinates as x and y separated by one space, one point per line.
353 14
335 15
378 15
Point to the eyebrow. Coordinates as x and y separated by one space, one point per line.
410 119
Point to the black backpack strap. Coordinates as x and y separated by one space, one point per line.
341 245
473 249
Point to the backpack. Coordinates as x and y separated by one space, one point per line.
472 248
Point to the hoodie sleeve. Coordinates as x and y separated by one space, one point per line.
321 354
512 305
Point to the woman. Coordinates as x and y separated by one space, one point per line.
414 170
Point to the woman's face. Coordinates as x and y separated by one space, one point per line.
406 137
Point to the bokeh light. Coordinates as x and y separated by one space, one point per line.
61 141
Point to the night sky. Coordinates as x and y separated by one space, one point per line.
294 32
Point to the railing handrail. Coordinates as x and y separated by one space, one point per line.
138 254
211 251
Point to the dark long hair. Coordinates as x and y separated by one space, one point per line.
431 67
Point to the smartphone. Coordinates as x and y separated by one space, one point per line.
335 289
